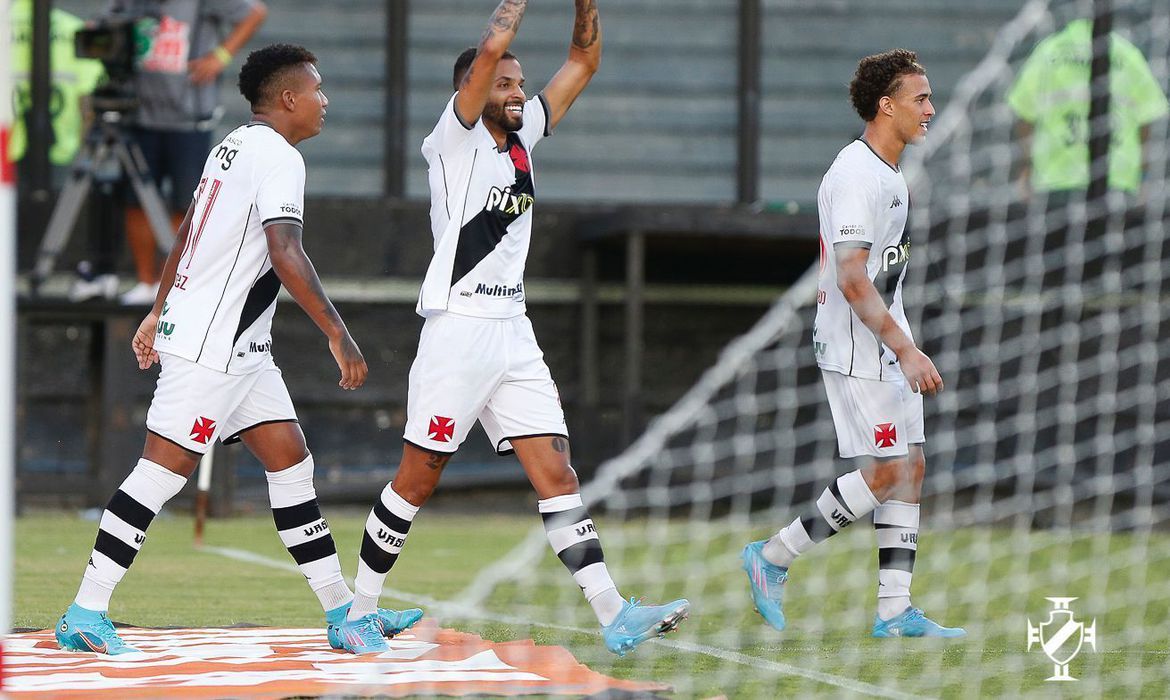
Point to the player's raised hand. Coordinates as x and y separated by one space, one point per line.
920 373
143 341
349 361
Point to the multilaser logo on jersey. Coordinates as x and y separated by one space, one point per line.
507 203
501 290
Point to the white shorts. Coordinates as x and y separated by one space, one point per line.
879 419
194 405
490 370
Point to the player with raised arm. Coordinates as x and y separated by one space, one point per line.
875 376
210 330
478 358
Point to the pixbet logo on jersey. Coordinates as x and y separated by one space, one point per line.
895 255
441 429
508 203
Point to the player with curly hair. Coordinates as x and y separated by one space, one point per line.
875 376
211 332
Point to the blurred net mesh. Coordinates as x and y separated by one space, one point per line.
1048 455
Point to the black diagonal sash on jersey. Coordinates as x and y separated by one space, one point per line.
260 297
484 231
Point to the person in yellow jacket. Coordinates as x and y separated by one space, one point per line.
72 80
1051 97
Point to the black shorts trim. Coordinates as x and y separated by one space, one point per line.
505 453
182 447
235 437
429 450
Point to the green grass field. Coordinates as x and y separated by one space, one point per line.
724 649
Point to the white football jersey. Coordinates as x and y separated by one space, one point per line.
219 311
481 214
862 202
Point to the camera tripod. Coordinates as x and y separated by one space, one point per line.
107 157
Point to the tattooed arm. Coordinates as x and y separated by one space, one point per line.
584 58
477 83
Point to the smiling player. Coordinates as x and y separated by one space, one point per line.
874 374
478 359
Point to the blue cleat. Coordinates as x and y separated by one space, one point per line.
767 581
912 623
89 630
636 623
362 636
391 622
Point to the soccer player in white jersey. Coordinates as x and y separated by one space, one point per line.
478 358
210 330
874 374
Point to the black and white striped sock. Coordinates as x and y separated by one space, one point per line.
386 530
306 534
122 530
896 524
844 501
574 538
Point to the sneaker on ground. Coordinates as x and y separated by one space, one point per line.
362 636
912 623
767 581
391 622
89 630
141 294
96 287
636 623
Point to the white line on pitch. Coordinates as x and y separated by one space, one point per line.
455 608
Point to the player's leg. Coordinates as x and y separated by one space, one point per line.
181 423
570 530
265 421
525 415
288 467
867 416
444 395
385 533
573 536
896 523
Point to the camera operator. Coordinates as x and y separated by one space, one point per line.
177 86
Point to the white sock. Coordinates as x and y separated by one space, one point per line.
845 500
896 524
386 529
306 534
574 538
122 530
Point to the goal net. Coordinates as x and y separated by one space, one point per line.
1048 455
